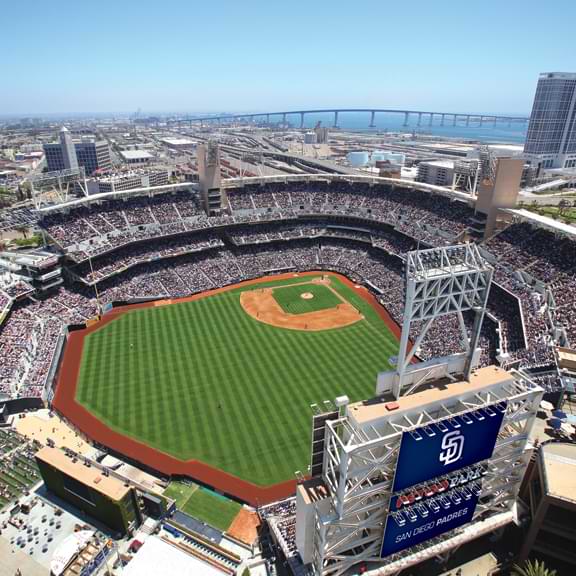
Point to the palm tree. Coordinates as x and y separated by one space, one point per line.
533 568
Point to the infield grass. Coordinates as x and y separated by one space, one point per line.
290 298
203 380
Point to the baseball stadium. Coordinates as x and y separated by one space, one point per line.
241 345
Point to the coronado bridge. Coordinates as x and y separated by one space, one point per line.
422 117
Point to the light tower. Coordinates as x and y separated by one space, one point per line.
68 150
440 282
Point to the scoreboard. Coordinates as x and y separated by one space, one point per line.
438 477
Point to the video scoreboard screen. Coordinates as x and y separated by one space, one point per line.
439 477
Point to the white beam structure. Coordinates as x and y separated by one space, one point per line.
360 464
50 186
439 282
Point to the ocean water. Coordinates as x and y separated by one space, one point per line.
359 122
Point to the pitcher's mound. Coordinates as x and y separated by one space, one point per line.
307 296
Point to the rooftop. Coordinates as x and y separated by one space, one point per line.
136 155
543 221
559 470
440 163
178 141
562 75
90 476
365 413
157 557
313 490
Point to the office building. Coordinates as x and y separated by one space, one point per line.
100 495
127 181
437 172
551 137
92 155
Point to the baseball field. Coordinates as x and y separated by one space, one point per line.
227 378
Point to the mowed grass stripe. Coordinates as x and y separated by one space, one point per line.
245 399
225 401
188 358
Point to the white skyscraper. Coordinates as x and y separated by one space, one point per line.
551 138
68 149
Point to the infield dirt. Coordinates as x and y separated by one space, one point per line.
262 306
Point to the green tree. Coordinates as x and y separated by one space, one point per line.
533 568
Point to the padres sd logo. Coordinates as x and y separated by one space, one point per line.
452 447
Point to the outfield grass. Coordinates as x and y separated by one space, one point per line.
290 298
203 380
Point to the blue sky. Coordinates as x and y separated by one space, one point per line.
248 55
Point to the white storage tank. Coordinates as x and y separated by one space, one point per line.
359 158
384 156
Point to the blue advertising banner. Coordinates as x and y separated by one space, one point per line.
438 519
448 445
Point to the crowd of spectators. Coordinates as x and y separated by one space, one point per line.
96 228
423 216
550 261
99 227
138 253
5 300
360 230
281 517
18 289
29 337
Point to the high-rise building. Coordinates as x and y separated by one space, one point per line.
69 157
551 138
66 154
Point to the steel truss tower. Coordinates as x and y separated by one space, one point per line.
59 184
442 281
360 463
